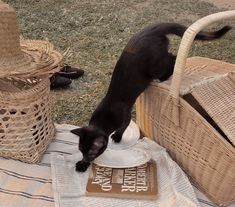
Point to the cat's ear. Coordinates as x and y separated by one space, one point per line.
78 131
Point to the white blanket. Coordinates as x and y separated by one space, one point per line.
173 185
27 185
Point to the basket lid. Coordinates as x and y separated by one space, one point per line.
218 99
199 70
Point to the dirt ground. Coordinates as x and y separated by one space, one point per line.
227 4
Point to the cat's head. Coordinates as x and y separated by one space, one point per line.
92 143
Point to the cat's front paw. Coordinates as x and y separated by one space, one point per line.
82 166
116 138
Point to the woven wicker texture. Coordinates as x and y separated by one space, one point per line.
26 127
218 99
23 57
196 145
199 70
206 157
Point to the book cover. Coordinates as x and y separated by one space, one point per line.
135 182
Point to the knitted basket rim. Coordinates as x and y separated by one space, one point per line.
23 57
37 84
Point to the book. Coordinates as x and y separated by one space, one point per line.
136 182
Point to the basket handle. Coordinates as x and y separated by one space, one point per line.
182 55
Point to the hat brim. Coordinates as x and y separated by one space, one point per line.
38 58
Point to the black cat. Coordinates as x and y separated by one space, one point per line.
144 58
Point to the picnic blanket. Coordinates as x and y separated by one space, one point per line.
27 185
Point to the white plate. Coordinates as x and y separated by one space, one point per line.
129 138
123 158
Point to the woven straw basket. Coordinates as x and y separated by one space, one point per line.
26 127
193 116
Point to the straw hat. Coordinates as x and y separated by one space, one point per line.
20 57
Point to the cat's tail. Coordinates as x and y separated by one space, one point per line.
177 29
213 35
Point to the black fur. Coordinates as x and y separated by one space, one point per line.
144 58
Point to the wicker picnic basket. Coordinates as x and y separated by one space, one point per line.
26 126
193 116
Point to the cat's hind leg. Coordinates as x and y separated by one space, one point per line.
162 69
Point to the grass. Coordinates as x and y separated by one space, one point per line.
96 32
